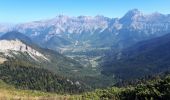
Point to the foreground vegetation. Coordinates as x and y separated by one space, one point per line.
153 89
8 92
27 77
157 88
26 82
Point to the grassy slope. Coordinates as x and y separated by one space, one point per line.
8 92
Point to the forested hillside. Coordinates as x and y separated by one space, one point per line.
144 58
155 88
24 76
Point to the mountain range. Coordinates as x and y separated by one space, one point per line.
78 37
91 49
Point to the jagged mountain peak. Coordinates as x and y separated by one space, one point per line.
93 29
157 17
133 13
131 16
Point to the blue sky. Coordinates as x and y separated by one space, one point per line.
18 11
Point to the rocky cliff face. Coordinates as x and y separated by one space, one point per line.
9 47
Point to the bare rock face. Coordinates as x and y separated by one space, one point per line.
2 60
8 46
